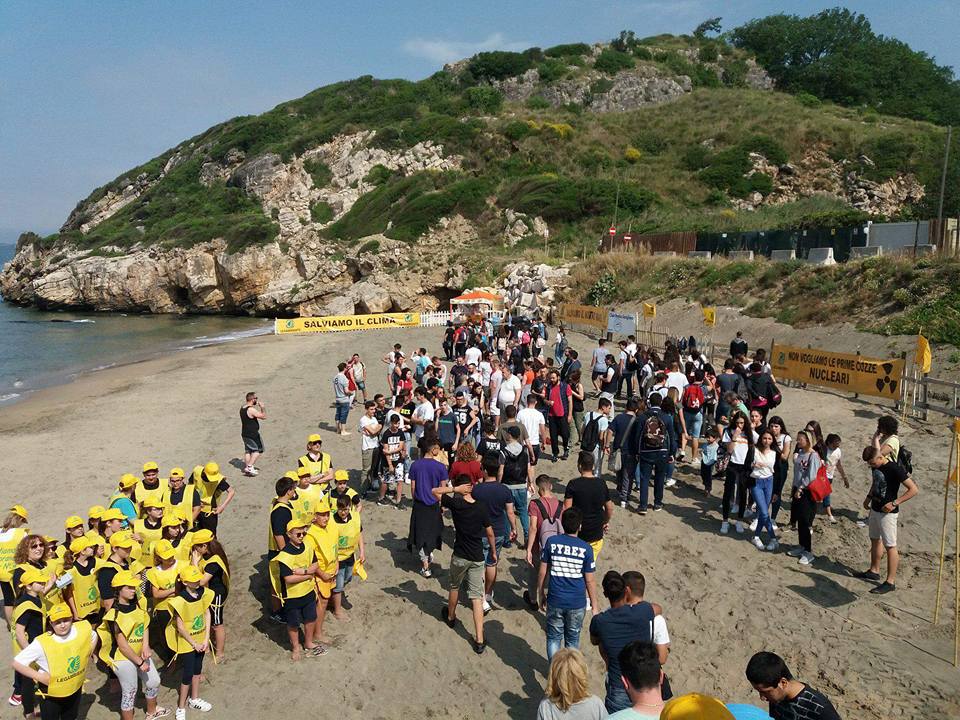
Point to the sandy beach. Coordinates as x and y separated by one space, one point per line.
65 448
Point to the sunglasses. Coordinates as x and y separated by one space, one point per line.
41 546
299 533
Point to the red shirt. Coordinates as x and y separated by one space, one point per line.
556 401
472 469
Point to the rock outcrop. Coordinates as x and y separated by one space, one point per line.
530 288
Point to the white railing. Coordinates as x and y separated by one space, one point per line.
435 318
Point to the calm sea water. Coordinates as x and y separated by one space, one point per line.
39 349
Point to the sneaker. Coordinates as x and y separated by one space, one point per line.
748 513
734 509
670 483
861 523
487 607
883 588
776 528
795 552
479 647
199 704
832 519
445 614
345 433
657 508
773 545
739 527
867 575
642 511
807 558
425 572
554 458
565 456
180 714
753 525
724 527
278 618
758 543
15 700
383 501
623 504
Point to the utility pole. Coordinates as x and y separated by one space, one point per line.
943 186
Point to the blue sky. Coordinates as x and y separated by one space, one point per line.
90 89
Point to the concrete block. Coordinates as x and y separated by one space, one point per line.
665 253
783 255
821 256
741 255
705 254
865 251
923 250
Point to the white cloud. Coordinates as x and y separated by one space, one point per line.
445 51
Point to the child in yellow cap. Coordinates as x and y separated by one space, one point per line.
318 462
341 488
123 499
161 586
14 529
83 595
208 555
28 625
322 536
188 635
149 529
151 486
293 573
73 528
181 496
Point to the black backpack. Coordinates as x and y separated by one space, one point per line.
514 467
654 433
905 460
591 434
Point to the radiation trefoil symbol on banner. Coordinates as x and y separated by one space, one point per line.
886 380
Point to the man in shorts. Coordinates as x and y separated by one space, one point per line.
250 416
471 521
393 448
499 500
343 398
370 430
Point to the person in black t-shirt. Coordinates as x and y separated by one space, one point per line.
738 346
884 501
591 496
789 699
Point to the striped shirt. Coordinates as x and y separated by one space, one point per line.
568 559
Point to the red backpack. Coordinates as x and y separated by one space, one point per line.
692 398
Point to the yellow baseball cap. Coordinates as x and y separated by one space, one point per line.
60 611
212 471
73 521
48 539
164 549
341 475
127 481
32 575
121 540
292 474
78 545
201 536
191 574
322 507
314 438
21 511
150 466
153 502
125 578
170 519
184 514
304 472
112 514
695 706
293 524
176 472
95 512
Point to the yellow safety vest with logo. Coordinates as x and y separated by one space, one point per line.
348 536
216 560
185 506
131 624
304 506
324 543
300 561
67 660
141 493
134 567
184 547
25 604
86 594
8 548
206 489
317 467
193 615
271 542
148 538
163 580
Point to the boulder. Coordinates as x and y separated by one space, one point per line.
371 298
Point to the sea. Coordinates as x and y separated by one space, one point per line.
40 349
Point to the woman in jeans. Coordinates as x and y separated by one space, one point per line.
784 446
764 461
803 509
739 440
578 394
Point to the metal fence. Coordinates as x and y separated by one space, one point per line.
679 242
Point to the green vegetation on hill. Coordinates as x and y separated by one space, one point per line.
675 166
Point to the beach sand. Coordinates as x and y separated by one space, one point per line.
65 448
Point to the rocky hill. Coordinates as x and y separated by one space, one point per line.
371 195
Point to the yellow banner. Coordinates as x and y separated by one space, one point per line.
709 316
923 356
340 323
584 315
843 371
649 310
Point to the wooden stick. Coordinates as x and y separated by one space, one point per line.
956 556
943 533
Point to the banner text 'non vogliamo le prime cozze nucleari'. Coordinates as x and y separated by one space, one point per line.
843 371
341 323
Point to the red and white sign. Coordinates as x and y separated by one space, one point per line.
612 231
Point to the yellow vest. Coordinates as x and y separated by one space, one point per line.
149 538
305 504
300 561
18 610
67 660
133 566
86 594
350 493
140 494
193 615
163 580
215 560
348 536
317 467
324 544
206 489
53 567
271 541
8 549
131 624
97 538
185 506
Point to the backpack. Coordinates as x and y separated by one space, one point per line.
550 525
514 471
905 460
693 398
654 433
591 434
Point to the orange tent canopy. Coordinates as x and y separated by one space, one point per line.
478 296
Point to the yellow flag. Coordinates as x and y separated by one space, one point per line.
649 310
709 316
923 357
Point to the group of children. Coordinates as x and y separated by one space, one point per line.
144 574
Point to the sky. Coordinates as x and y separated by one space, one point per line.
91 89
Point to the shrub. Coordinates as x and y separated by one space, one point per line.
516 130
768 147
642 53
808 100
650 142
735 73
704 76
551 70
498 65
378 175
709 52
603 290
318 170
568 199
632 155
600 86
695 157
321 212
568 50
612 61
559 130
537 102
370 246
484 99
761 183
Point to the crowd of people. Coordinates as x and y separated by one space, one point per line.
466 436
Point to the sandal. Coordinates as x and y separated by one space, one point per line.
159 713
316 651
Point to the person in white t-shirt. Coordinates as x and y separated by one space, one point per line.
535 425
423 413
473 355
369 429
676 379
834 467
509 390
